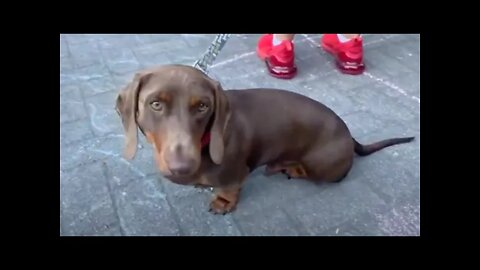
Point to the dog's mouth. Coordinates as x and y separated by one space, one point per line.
187 175
185 180
180 171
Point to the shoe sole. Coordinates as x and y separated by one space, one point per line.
331 51
263 56
283 77
286 76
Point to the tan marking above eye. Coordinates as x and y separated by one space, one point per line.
164 96
194 101
197 103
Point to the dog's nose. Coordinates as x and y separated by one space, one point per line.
180 167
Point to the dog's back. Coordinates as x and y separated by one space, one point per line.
280 124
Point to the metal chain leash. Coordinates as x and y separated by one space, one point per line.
209 56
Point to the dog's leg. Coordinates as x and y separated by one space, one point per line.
296 171
272 169
324 166
228 184
225 200
289 168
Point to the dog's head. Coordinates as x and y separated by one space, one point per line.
177 108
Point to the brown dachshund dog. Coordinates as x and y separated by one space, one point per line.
205 136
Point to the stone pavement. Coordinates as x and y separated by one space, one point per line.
103 194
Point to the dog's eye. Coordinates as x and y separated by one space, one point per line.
202 107
156 105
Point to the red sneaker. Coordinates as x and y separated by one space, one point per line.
280 59
348 55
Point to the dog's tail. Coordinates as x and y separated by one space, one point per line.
365 150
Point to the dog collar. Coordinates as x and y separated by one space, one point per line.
205 139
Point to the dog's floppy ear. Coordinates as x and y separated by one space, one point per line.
127 107
222 115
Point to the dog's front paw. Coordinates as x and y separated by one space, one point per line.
221 205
